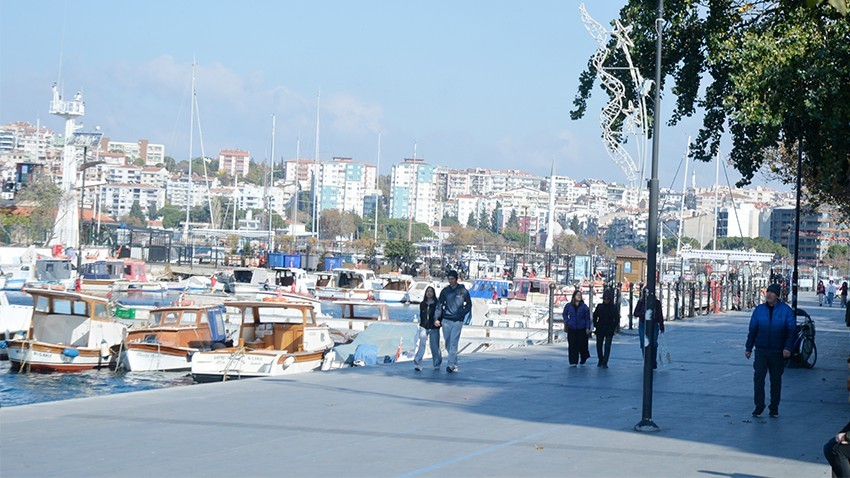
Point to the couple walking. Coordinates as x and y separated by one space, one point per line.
579 326
447 313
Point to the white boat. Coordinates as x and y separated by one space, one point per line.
14 322
58 272
356 315
395 288
416 293
100 276
174 336
276 338
69 332
348 284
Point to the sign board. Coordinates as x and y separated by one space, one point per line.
581 268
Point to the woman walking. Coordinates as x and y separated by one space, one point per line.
577 325
605 321
821 291
429 330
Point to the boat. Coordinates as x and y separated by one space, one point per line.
395 288
357 315
248 280
276 338
382 342
99 276
483 289
174 335
416 293
69 332
348 284
55 272
14 322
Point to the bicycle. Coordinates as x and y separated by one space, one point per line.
804 352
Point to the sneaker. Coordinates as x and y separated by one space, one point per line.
600 364
454 368
417 368
605 365
573 365
758 411
449 370
774 414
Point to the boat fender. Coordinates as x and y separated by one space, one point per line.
104 349
70 352
289 361
2 344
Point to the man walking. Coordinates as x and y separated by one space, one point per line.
454 305
772 330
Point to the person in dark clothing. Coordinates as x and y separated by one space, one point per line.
605 321
454 304
837 453
773 328
843 291
577 324
657 321
429 330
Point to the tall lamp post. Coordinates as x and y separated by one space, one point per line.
646 424
86 140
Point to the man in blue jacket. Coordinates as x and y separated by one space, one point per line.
772 331
454 304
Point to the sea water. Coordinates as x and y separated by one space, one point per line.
27 388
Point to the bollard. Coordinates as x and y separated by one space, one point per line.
693 291
631 306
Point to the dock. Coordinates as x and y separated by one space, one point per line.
517 412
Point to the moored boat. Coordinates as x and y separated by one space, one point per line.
174 336
69 332
395 288
276 338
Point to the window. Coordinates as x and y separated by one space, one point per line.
170 318
100 310
81 308
61 306
188 318
42 304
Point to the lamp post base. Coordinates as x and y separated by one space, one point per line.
647 425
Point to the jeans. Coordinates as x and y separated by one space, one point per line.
451 334
764 363
577 345
829 297
641 334
838 456
432 337
603 348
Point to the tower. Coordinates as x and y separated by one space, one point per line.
66 228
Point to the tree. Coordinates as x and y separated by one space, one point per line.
152 212
42 196
472 220
334 223
449 221
484 220
136 212
400 251
169 164
575 226
494 218
172 216
772 73
513 220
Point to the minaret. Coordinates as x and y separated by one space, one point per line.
550 228
66 228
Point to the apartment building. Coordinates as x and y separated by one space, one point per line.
413 191
151 153
117 199
302 171
344 184
234 161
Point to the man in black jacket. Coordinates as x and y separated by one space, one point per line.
605 321
454 304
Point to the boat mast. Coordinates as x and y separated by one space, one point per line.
191 137
294 215
682 204
413 190
377 186
316 172
269 184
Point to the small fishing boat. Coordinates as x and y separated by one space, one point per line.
100 276
348 284
357 315
277 337
69 332
174 335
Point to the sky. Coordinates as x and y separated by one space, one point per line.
464 84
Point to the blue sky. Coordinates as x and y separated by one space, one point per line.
471 83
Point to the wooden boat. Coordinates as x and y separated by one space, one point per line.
348 284
69 332
174 335
277 337
101 275
357 315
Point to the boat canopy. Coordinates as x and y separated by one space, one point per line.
483 288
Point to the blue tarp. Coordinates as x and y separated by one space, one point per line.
385 336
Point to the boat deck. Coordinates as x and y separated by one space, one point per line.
510 412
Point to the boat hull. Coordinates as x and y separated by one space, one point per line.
43 357
232 364
153 357
391 295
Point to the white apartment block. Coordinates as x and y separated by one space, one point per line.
413 191
124 174
151 153
234 161
343 185
119 198
154 176
33 142
177 190
301 170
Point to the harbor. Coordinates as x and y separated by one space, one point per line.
509 412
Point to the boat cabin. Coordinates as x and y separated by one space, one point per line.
70 318
399 282
194 327
277 326
52 270
363 310
528 288
483 288
102 270
354 278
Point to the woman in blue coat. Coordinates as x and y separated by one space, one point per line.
577 324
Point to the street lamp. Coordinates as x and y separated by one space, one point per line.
86 140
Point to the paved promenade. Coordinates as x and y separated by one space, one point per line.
518 412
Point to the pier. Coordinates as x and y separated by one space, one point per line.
511 412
